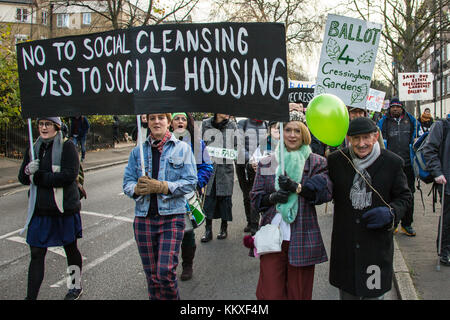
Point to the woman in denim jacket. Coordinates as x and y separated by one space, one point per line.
160 203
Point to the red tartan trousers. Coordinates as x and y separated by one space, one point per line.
278 280
158 240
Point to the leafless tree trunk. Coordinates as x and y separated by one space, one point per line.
409 30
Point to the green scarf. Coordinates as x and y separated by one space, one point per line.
294 162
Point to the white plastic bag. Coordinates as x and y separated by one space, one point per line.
268 239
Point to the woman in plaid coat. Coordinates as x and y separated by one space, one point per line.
160 203
288 199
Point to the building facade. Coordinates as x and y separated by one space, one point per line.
43 19
437 60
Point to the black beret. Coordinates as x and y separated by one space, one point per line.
361 125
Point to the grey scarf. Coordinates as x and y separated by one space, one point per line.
359 195
56 167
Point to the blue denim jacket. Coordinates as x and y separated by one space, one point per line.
177 167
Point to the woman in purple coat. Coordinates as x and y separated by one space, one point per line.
288 199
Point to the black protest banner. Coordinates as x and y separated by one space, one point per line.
232 68
301 95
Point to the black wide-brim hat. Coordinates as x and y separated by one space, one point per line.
361 125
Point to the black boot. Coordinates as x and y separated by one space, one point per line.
223 230
208 231
187 254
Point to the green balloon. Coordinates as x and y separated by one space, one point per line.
327 119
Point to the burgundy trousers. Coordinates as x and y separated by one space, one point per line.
278 280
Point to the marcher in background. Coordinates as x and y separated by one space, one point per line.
54 212
218 203
399 129
296 107
353 113
288 199
183 128
160 203
272 139
144 129
437 157
361 260
254 131
116 124
426 120
79 128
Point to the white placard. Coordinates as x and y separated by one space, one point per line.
413 86
222 153
375 100
347 59
301 84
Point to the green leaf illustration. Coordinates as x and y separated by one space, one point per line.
319 90
359 93
366 57
333 49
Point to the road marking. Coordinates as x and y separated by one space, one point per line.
97 261
110 216
58 250
9 234
9 193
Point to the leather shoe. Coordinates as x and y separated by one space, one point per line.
223 231
207 236
445 260
222 235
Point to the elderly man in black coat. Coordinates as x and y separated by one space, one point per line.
371 194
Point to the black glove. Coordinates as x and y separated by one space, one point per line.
37 177
311 186
279 197
377 217
287 184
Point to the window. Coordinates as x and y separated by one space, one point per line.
448 84
21 14
44 17
62 20
87 18
428 68
438 88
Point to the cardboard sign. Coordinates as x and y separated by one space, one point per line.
347 59
222 153
233 68
413 86
375 100
301 84
301 95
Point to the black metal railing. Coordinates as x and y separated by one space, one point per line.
14 139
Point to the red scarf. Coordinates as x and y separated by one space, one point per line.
160 143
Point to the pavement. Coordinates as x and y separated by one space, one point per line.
95 159
416 274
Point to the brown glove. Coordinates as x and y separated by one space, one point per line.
148 185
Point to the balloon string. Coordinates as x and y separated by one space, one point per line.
367 182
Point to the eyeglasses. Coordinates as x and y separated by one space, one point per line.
45 124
